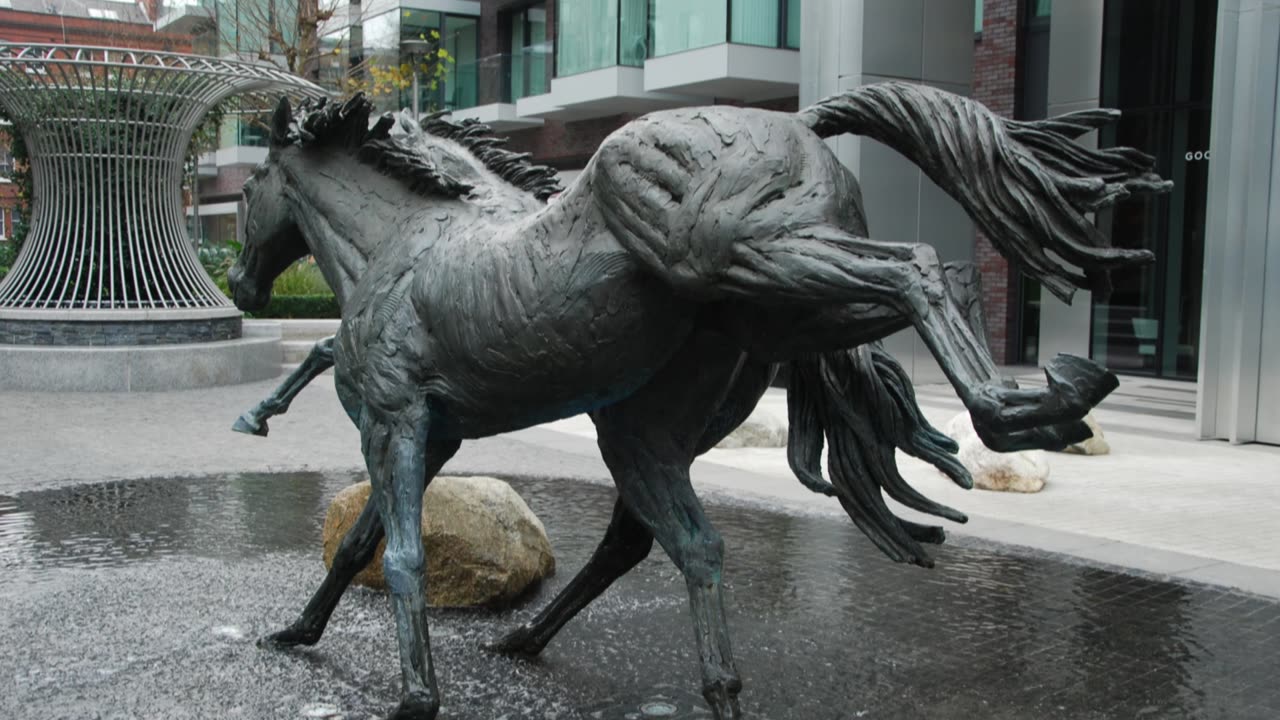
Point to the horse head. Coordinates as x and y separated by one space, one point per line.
272 239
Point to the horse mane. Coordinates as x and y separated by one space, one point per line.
346 126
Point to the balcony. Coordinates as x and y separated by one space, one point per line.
600 55
504 81
732 49
182 17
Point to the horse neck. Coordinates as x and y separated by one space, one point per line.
346 212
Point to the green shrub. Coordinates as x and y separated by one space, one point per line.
301 278
300 306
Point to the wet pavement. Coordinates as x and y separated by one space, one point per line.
141 599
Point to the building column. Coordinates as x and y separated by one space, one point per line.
1075 83
848 43
1239 388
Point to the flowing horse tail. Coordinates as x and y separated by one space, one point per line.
862 403
1027 185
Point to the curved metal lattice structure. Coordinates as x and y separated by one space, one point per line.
107 130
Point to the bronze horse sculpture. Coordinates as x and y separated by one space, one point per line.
698 248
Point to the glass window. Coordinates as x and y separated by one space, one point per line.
793 24
633 32
587 35
754 22
977 16
680 25
461 80
1157 66
528 52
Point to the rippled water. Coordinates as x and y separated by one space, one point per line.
171 578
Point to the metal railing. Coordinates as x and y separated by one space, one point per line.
107 130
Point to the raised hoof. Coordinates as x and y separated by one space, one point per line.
416 706
1080 378
518 642
1050 437
287 638
249 426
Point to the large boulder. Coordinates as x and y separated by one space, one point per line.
762 429
484 546
1096 445
1025 471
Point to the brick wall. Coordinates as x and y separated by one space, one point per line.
995 85
28 27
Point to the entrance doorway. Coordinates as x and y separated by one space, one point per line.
1157 67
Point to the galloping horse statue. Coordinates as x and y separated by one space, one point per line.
698 248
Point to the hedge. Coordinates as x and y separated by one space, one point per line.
300 306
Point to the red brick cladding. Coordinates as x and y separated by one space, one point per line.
995 61
28 27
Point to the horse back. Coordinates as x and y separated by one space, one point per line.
682 190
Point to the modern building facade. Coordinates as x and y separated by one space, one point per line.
1197 83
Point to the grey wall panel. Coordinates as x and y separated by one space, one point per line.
867 41
893 39
1238 390
1075 82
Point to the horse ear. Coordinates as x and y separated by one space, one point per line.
280 121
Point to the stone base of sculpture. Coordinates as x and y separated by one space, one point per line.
91 357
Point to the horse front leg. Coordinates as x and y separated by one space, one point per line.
254 422
403 457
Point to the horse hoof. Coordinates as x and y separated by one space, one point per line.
416 706
518 642
249 426
287 638
1082 379
722 697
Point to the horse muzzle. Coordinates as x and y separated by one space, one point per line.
244 294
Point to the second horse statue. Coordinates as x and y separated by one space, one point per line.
698 248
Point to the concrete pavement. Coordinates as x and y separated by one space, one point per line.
1162 502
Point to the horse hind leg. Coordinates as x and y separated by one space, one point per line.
625 544
824 264
627 541
354 554
648 441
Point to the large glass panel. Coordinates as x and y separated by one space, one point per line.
461 77
793 24
381 52
754 22
528 53
587 35
633 32
1032 104
1157 68
680 25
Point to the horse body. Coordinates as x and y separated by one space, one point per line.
697 246
521 289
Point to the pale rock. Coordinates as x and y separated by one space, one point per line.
1024 471
1096 445
484 546
762 429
